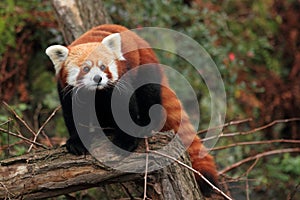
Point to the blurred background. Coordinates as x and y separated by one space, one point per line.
255 45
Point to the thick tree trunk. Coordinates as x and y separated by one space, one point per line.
77 16
55 172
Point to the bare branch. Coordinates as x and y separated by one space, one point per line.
43 126
3 147
257 156
9 120
35 116
50 173
18 117
292 194
23 138
225 125
247 181
146 169
253 130
255 143
264 127
36 134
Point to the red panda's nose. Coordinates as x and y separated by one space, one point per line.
97 78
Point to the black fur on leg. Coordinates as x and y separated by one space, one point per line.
75 146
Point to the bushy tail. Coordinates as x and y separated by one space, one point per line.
204 163
178 120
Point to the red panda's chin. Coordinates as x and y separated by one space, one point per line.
100 87
94 87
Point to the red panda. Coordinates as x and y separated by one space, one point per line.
95 61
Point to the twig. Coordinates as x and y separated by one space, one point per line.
23 138
43 126
235 179
225 186
247 180
3 147
35 117
18 117
248 170
192 169
255 143
225 125
8 142
267 126
247 189
126 190
7 191
253 130
47 139
9 120
268 153
292 194
146 169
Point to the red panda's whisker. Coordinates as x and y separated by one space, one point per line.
66 90
122 85
120 88
95 127
77 97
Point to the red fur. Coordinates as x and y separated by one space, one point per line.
143 54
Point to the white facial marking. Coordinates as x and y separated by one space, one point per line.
113 68
99 63
89 63
91 69
72 75
88 79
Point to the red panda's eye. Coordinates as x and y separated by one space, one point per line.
86 69
102 67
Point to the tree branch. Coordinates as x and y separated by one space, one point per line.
50 173
255 130
257 156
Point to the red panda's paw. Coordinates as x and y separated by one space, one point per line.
126 142
75 146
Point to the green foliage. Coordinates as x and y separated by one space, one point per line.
276 172
16 18
7 24
14 15
221 33
5 139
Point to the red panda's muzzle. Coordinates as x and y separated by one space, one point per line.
97 79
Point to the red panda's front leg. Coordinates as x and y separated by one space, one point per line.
74 144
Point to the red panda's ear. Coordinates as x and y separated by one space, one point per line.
113 42
58 54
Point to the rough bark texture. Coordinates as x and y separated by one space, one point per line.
77 16
55 172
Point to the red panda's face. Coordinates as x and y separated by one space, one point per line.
90 65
